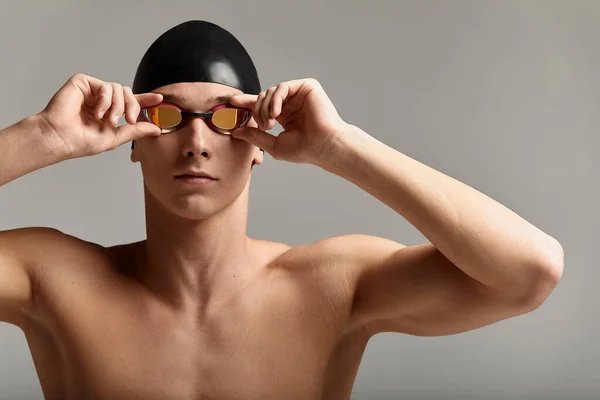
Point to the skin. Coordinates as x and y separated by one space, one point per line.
199 310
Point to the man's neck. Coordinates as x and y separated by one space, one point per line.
192 264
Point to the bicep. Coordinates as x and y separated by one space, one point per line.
20 251
416 290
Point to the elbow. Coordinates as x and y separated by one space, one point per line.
548 274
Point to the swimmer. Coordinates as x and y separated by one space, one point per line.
198 309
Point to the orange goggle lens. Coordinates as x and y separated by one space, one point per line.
164 116
229 118
168 117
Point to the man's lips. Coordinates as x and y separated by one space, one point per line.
195 180
196 174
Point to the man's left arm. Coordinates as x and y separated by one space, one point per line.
481 237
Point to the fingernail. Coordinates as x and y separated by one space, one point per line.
115 119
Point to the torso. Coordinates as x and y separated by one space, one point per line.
99 334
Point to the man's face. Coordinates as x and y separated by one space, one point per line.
195 146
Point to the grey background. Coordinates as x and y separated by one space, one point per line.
502 95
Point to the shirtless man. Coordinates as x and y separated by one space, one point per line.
199 310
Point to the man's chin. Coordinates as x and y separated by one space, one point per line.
196 211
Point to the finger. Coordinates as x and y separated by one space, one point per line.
94 84
89 85
256 137
295 85
118 105
104 100
280 95
243 100
265 108
149 99
127 133
290 88
132 107
256 111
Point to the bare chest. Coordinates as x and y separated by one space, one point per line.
275 340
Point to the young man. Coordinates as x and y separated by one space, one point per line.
199 310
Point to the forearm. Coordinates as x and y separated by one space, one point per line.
24 148
480 236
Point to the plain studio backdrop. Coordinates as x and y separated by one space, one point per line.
501 95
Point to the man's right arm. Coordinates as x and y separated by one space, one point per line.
23 149
80 120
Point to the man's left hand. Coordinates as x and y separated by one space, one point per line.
310 121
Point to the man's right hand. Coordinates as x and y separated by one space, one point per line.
82 117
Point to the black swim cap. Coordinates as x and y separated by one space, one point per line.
196 51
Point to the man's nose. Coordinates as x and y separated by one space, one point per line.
198 137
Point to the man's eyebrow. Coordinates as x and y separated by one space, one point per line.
220 99
173 98
180 100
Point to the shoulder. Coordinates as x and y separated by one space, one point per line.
355 244
39 245
55 253
339 254
339 262
350 249
32 258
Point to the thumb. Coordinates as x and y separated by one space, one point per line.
256 137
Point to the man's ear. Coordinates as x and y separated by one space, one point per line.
259 157
133 156
254 162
